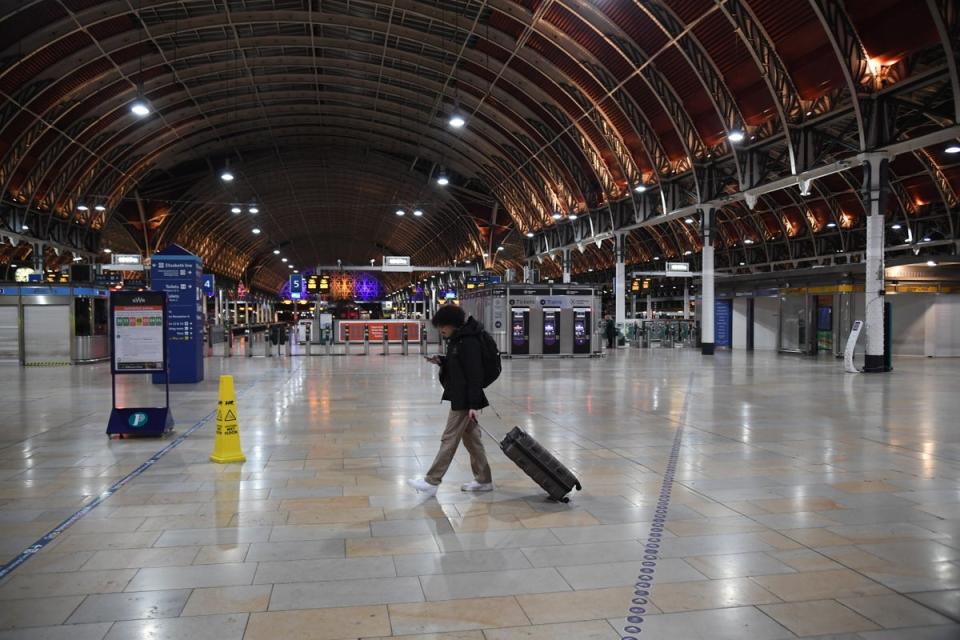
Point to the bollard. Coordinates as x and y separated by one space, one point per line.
366 340
229 342
248 342
386 340
404 343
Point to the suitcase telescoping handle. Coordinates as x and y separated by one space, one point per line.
489 435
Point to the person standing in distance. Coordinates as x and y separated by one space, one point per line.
462 375
610 329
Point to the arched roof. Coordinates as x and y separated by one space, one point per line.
333 113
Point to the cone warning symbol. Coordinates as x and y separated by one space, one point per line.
226 446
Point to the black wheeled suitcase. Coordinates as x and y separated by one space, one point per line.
539 464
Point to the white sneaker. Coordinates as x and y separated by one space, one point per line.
422 486
477 486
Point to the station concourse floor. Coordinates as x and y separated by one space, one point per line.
805 502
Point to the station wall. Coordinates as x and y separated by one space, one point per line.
766 319
926 324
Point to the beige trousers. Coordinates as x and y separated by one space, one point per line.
459 427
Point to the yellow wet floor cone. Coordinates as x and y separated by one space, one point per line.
226 445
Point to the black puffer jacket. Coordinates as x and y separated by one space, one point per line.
461 372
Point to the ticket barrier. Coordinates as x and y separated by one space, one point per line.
386 341
404 341
346 344
366 340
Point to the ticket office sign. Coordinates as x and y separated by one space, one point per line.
138 336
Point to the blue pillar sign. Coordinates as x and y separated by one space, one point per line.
209 284
722 322
179 274
297 288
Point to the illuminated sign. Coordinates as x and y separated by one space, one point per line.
678 266
126 258
397 264
297 288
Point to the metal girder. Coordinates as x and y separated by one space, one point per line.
850 53
779 83
537 246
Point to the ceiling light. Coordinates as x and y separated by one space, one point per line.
500 248
931 263
742 263
226 176
296 270
640 188
831 225
77 258
418 212
256 231
688 252
289 266
140 108
401 212
530 234
442 179
25 228
236 210
283 259
82 207
100 207
736 135
953 148
276 252
689 220
108 250
253 210
656 257
486 255
572 216
556 215
457 120
926 238
748 241
896 227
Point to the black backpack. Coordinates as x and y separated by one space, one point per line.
490 357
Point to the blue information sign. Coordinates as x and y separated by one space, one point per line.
179 274
723 323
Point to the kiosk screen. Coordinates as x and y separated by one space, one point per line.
551 334
520 330
581 330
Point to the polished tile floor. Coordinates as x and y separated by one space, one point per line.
805 502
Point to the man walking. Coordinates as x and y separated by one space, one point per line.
461 374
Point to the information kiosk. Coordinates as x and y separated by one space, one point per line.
551 331
139 345
581 330
520 331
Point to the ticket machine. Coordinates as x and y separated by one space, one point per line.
520 331
581 330
551 331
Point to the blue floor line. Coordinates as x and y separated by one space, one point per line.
651 550
51 535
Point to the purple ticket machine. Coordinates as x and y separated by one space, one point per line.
520 331
581 330
551 331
